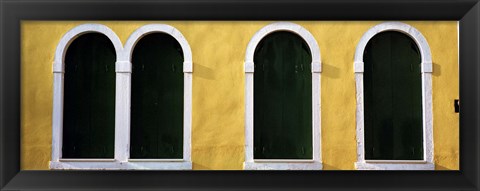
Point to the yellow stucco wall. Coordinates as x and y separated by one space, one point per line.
218 50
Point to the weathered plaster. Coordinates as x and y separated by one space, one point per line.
123 68
218 96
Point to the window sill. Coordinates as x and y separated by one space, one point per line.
155 160
282 165
87 160
394 165
116 165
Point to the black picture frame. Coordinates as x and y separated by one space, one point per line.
467 12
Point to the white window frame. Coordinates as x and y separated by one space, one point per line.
280 164
123 68
426 69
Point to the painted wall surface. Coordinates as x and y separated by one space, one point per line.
218 50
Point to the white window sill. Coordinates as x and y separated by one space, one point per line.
87 160
116 165
394 165
282 165
155 160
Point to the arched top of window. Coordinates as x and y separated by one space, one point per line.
89 110
156 122
283 26
159 28
122 70
426 98
274 36
70 36
282 37
406 29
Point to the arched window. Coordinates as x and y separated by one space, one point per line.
394 127
84 128
156 128
282 98
393 98
282 127
92 95
89 104
158 102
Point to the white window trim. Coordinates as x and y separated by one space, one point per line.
277 164
125 95
426 70
123 70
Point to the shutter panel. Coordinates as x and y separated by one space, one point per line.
282 98
89 98
393 102
157 98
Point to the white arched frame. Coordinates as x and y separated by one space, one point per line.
122 102
426 74
57 161
279 164
125 88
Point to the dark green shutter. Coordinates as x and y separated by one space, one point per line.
157 98
393 98
89 98
282 98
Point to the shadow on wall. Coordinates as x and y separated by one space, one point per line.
330 71
197 166
329 167
437 69
439 167
203 72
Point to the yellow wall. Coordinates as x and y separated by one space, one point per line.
218 88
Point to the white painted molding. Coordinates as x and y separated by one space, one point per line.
58 77
358 67
426 75
249 67
72 34
187 76
123 68
88 160
284 26
187 67
155 160
98 165
122 114
397 161
250 163
282 166
394 166
316 67
159 28
58 67
399 27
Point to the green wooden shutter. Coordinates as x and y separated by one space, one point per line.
89 98
282 98
157 98
393 98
